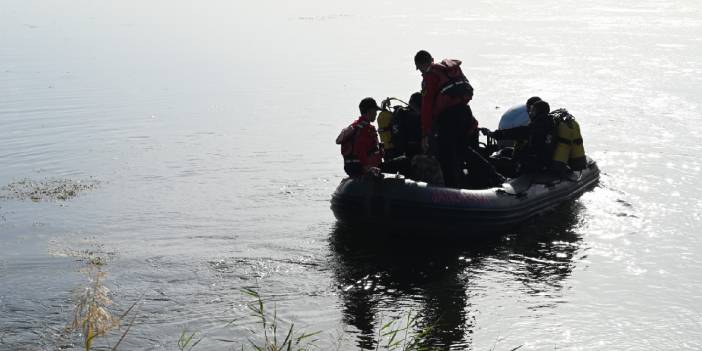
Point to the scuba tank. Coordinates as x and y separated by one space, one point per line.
399 129
569 142
385 129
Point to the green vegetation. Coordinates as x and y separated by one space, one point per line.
397 334
187 341
270 340
92 319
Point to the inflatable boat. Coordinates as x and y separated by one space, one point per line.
395 200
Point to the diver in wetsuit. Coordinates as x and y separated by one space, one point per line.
537 154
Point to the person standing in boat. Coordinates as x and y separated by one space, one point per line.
449 129
360 147
537 154
446 119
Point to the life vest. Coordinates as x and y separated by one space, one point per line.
569 142
452 82
347 140
385 123
449 88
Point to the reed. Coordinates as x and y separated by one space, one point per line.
274 337
187 341
399 334
91 316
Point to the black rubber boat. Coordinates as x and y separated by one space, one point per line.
400 202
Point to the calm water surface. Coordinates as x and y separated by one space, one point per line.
207 130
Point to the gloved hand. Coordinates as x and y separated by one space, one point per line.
485 131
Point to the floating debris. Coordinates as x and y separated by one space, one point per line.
47 189
90 252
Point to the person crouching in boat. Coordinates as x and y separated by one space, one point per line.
360 147
537 154
516 116
400 133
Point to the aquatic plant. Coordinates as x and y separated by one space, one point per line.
93 319
46 189
91 315
270 341
398 334
186 340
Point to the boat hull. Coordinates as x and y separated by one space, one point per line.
402 202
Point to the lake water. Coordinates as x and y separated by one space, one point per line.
199 139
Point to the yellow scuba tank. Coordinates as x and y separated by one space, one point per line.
569 144
385 128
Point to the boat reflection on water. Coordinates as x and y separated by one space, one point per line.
382 274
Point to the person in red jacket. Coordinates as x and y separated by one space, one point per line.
448 127
359 142
435 78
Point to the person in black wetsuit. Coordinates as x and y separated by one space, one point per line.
407 130
537 154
